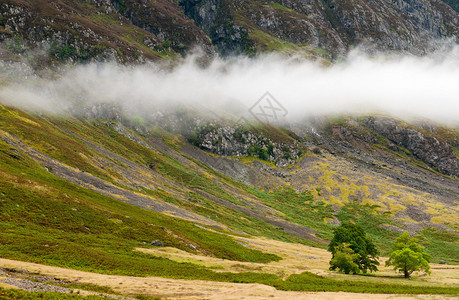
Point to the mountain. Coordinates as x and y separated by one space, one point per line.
135 30
104 191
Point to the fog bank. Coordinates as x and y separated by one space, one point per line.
403 86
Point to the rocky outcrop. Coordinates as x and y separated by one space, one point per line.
97 30
412 26
380 142
239 141
431 149
217 19
202 12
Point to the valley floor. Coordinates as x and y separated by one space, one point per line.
311 259
191 289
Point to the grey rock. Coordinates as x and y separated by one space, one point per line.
157 243
426 146
413 26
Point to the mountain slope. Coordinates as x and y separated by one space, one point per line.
335 26
48 219
133 30
156 170
83 31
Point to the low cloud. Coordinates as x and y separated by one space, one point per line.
402 86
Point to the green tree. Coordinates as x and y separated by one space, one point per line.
344 258
407 256
358 241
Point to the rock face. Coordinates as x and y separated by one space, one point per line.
424 145
239 141
134 30
436 147
215 17
166 21
423 142
332 25
157 243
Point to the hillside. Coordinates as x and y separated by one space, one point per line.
84 193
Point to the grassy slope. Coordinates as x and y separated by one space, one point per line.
188 179
49 220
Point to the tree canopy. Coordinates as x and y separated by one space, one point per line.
364 251
407 256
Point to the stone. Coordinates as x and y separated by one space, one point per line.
157 243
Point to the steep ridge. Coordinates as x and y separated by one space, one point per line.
165 20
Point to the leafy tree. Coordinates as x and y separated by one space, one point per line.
344 258
407 256
358 241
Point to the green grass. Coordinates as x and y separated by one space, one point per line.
268 43
102 19
70 149
370 218
299 208
441 244
47 138
281 7
13 294
310 282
